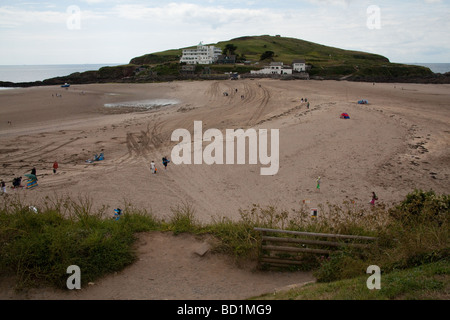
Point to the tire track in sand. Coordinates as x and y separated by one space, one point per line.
40 152
265 98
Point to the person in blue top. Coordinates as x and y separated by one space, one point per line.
165 162
117 213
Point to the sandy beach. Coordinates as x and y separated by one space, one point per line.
396 143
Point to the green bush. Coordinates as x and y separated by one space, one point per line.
236 238
422 207
39 246
170 68
416 233
340 265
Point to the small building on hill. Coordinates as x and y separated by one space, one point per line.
299 65
274 68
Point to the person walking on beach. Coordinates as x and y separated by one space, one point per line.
55 166
318 183
17 182
165 162
374 197
153 167
3 186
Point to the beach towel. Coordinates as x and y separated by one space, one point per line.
31 184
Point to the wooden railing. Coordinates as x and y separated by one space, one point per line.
281 251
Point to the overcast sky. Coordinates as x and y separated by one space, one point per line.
98 31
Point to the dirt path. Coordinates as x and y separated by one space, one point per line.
172 268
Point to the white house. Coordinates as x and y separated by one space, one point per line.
299 65
274 68
201 55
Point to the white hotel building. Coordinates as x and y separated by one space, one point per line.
201 55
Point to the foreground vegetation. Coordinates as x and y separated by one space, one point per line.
430 281
38 244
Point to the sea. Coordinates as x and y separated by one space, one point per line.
435 67
30 73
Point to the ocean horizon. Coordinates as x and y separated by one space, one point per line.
30 73
434 67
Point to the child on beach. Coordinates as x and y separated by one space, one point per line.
153 167
318 183
3 186
55 166
117 213
374 197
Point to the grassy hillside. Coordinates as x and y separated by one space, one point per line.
289 49
285 49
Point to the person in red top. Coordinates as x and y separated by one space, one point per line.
55 166
374 197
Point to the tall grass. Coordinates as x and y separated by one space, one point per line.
182 219
38 244
414 232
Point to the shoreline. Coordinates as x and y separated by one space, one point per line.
91 77
437 78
